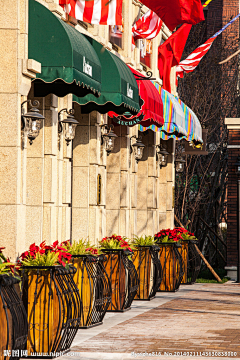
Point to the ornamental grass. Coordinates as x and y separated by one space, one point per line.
81 247
143 241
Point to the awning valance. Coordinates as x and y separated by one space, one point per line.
119 92
192 124
180 122
69 62
152 108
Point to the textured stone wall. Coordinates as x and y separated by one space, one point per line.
48 190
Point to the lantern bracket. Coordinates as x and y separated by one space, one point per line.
148 76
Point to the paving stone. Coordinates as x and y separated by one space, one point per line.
198 318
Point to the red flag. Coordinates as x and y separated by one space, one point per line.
177 12
170 52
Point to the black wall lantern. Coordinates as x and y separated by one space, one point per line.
162 155
70 125
31 121
108 137
137 148
179 164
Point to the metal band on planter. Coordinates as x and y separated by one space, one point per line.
171 261
191 261
94 288
123 278
149 270
54 309
13 319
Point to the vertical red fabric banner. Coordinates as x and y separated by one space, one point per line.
177 12
170 53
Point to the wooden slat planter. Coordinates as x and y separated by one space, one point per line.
149 270
192 262
13 319
172 268
123 278
94 288
53 307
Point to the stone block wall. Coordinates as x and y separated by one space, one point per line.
48 190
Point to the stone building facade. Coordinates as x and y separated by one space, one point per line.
49 190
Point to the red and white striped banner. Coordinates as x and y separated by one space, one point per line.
102 12
192 61
147 27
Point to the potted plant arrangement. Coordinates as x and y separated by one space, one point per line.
170 258
121 271
51 299
190 256
148 266
13 324
92 281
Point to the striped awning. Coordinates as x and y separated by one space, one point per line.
192 124
180 122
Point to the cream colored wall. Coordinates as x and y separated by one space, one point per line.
16 72
48 190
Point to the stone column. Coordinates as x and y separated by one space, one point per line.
16 72
233 126
147 187
113 186
166 188
89 161
170 172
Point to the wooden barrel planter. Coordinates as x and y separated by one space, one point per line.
149 270
192 262
172 268
94 288
13 319
123 279
52 302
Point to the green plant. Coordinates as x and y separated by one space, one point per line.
167 235
115 242
6 267
185 234
143 240
45 255
202 280
49 259
81 247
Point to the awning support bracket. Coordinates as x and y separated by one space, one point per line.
147 77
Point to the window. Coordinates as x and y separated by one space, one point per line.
116 35
145 52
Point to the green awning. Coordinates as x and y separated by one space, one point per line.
119 91
69 62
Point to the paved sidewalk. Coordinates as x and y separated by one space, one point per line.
197 319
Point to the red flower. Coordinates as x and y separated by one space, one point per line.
55 244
